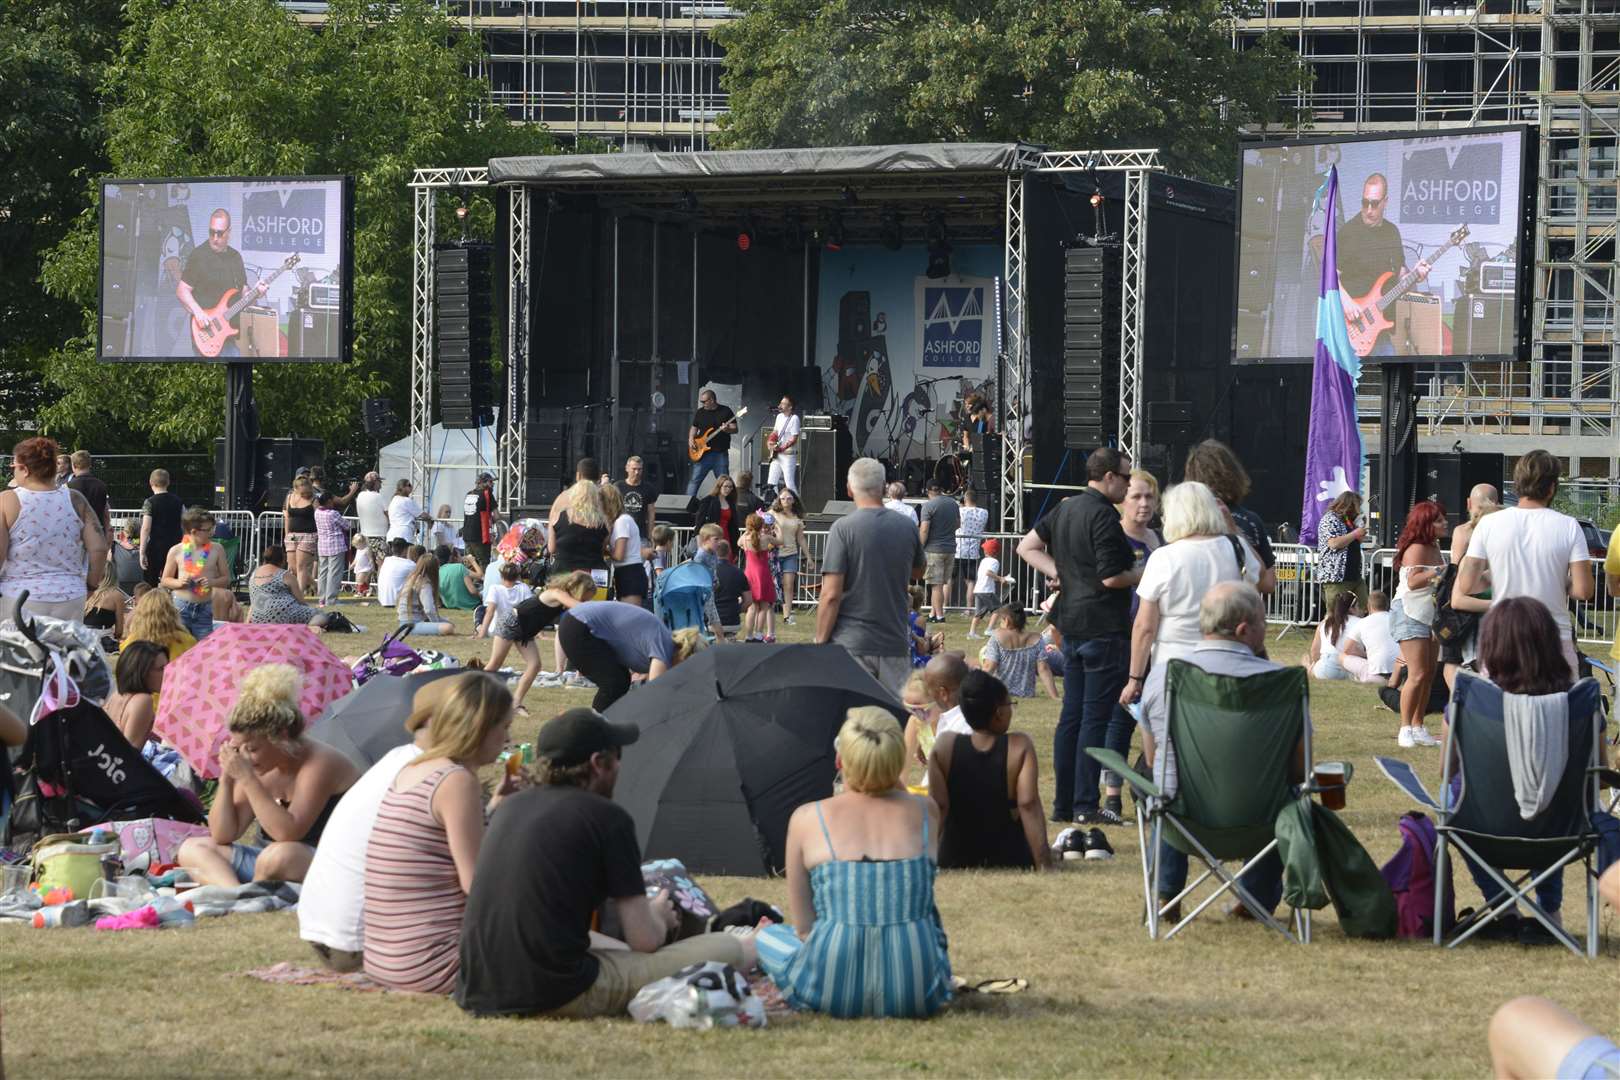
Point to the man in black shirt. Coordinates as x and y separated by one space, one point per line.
478 519
715 417
91 487
1083 546
554 855
160 526
1369 245
640 497
211 270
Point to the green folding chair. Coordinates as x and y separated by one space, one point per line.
1478 811
1236 742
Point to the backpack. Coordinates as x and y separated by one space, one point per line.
1451 626
1410 876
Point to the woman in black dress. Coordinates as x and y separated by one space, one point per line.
987 785
719 507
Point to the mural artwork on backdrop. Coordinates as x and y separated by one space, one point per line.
898 350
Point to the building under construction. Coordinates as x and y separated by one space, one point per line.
1395 65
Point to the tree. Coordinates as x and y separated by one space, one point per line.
237 87
52 57
1098 74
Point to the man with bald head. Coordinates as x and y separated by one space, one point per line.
1232 620
1369 245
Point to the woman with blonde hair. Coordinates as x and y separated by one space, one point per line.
525 621
625 550
424 845
865 937
579 538
418 602
104 608
1199 554
155 619
271 773
298 531
1482 502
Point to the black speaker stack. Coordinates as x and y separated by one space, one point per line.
548 469
463 319
1091 300
118 275
1450 477
826 452
377 417
275 463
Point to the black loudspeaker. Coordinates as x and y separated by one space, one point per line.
1169 421
463 316
677 510
377 417
837 508
1090 333
1483 325
824 461
275 461
312 332
984 473
1450 477
1394 489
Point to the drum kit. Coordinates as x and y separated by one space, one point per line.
950 470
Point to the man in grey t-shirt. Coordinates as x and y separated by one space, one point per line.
940 518
872 556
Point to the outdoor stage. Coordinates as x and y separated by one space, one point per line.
627 288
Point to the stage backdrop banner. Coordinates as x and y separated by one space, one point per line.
898 349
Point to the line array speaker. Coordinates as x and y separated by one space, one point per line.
463 316
1091 299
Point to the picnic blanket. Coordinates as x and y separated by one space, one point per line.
247 899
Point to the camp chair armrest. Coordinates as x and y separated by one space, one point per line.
1607 775
1113 762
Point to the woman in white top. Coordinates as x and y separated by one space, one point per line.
51 544
1327 658
626 550
404 512
1200 552
970 526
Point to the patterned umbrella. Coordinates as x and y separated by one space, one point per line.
200 688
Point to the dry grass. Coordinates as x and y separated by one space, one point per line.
1221 999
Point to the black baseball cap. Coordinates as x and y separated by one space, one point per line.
570 738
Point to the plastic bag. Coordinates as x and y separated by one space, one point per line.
700 996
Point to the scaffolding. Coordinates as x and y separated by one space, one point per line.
1395 65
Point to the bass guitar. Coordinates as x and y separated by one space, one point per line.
700 445
211 333
1373 320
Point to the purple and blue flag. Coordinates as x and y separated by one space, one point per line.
1333 445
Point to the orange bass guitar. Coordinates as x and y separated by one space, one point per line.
211 334
1373 320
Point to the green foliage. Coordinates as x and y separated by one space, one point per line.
238 87
1097 74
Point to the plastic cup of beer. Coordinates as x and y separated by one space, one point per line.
1330 778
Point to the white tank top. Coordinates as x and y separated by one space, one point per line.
46 556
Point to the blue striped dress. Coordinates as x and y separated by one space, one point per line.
877 947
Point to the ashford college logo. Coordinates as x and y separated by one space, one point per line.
286 220
1454 182
953 325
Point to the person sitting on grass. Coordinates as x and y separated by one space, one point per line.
528 617
922 716
155 619
273 774
461 583
137 679
865 937
987 785
424 844
274 596
1326 658
1012 651
553 856
944 674
418 602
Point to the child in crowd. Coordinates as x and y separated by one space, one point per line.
732 591
503 596
976 778
922 716
419 600
943 676
663 549
363 566
923 644
1012 652
756 544
987 586
707 545
331 542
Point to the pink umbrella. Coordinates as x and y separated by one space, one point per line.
200 688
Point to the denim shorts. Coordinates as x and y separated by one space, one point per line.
244 857
789 564
1402 628
197 616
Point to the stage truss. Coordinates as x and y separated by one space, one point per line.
1013 374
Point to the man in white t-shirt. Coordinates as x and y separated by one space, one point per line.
371 507
785 462
896 501
1371 635
392 573
1529 550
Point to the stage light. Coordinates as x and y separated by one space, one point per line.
1096 199
834 232
890 225
745 233
461 213
939 247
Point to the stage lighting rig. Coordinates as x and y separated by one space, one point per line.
832 231
939 246
745 233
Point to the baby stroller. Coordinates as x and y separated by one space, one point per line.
683 596
391 657
76 769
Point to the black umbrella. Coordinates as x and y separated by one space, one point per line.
368 722
732 742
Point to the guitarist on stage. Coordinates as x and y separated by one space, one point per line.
718 423
1368 245
211 270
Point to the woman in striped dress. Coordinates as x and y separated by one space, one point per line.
419 862
866 939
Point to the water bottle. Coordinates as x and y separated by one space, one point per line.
73 913
173 912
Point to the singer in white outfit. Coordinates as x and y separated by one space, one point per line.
785 438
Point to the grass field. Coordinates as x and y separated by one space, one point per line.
1222 999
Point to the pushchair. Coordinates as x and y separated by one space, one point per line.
391 657
684 596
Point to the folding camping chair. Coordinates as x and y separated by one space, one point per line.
1479 813
1235 742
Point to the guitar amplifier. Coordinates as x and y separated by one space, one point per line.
1418 326
1498 279
312 333
261 332
817 423
326 297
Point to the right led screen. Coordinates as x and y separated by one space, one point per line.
1431 235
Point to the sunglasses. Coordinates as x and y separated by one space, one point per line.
1369 203
219 232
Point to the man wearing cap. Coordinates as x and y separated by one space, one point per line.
331 908
478 519
552 857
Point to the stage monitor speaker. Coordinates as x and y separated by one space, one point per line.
677 510
312 332
261 333
837 508
1418 326
377 417
1169 421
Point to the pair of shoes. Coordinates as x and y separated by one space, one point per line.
1070 845
1097 846
1109 815
1061 819
769 639
971 636
1405 740
787 619
575 681
1420 735
936 618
